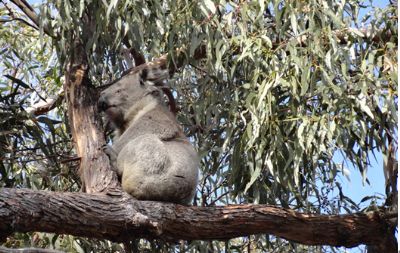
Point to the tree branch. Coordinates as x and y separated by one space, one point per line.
45 106
86 127
31 14
28 250
343 36
137 56
14 18
118 217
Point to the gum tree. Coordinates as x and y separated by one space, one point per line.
280 97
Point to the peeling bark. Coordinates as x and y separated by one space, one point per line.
86 128
118 217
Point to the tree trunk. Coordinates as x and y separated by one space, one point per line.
118 217
86 128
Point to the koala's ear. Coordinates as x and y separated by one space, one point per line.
157 75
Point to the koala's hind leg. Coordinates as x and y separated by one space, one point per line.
144 162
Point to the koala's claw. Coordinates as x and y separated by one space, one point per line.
112 155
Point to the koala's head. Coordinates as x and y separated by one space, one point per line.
132 88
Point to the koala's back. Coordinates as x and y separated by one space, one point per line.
159 170
155 160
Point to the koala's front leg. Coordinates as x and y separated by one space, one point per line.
112 156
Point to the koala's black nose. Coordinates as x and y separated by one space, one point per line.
102 104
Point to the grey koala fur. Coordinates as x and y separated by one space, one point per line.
150 151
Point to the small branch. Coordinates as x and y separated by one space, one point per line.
343 36
31 14
14 18
118 217
45 106
171 100
381 35
19 19
28 10
72 159
138 57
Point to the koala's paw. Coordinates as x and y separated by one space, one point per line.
110 152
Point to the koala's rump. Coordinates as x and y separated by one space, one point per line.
153 169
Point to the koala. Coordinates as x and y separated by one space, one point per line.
149 152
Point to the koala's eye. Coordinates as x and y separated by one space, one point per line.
119 90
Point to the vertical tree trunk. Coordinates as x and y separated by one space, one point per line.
85 124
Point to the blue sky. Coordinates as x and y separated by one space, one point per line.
355 188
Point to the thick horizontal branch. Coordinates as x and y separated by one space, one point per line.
118 217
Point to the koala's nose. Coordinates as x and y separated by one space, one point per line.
102 104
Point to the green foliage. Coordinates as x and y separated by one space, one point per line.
285 94
31 148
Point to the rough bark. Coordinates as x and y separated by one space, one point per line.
118 217
28 250
85 123
84 119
